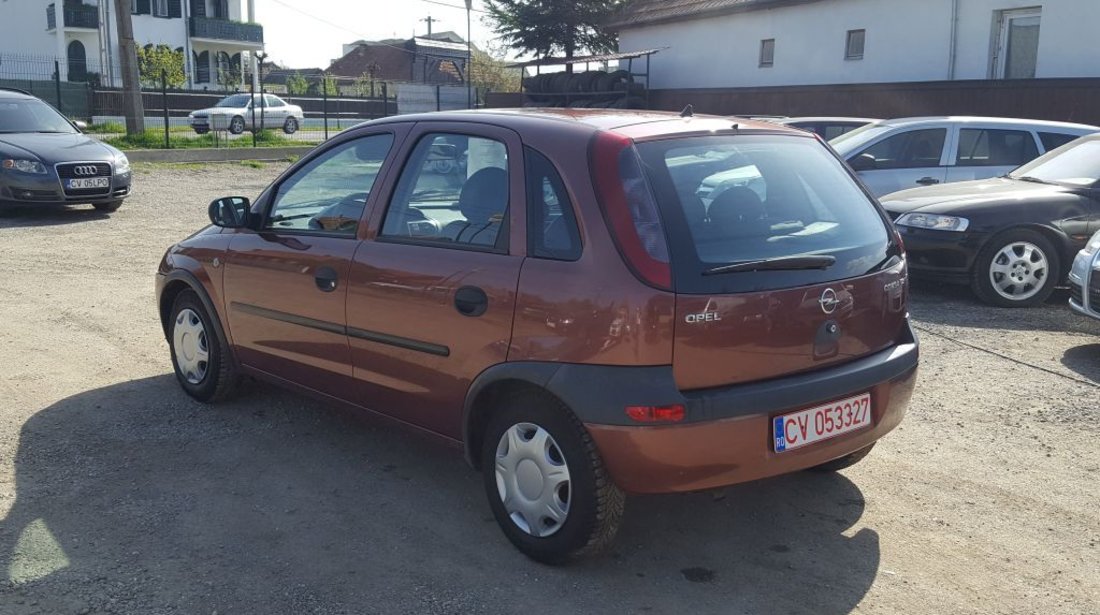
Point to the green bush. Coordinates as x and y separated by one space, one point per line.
154 139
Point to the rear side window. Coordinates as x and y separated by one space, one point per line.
1054 140
551 223
734 199
995 148
912 149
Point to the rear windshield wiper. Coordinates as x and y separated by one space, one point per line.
782 263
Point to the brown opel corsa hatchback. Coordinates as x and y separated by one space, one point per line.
587 303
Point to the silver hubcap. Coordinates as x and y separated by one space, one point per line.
532 479
1018 271
189 341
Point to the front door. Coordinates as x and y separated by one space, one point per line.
286 285
907 159
433 289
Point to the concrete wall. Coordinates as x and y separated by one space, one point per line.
906 40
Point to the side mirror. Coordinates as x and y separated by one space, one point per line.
230 212
81 125
863 162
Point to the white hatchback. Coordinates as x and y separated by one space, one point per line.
893 155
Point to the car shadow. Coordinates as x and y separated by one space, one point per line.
135 499
14 216
956 306
1085 360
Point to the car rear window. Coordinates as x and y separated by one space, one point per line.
732 199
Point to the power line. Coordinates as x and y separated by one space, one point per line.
453 6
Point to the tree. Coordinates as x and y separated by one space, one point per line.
158 60
296 85
488 73
132 105
549 27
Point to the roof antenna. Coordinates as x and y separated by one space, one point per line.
689 111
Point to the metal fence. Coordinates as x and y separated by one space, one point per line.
334 103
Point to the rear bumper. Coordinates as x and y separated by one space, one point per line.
729 439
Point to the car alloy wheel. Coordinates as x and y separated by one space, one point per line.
1019 270
236 126
191 345
532 479
290 126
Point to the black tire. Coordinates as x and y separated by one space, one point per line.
290 126
846 461
108 207
595 503
201 131
220 377
982 282
236 125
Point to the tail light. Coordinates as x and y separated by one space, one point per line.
630 210
656 414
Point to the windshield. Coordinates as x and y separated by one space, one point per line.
236 101
850 142
739 199
30 115
1076 164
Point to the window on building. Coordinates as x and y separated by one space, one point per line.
160 8
854 48
767 52
1016 44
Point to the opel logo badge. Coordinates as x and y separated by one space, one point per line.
829 301
85 169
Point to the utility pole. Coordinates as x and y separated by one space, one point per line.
132 106
469 58
430 21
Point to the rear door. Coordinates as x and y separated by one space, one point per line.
741 314
286 285
907 158
984 152
433 288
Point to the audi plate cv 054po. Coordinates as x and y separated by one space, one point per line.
587 303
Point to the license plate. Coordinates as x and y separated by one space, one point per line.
89 182
798 429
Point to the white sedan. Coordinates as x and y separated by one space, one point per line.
239 112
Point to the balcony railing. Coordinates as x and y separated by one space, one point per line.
221 29
76 16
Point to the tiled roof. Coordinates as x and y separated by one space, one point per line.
647 12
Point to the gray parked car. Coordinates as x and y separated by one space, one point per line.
46 160
239 112
899 154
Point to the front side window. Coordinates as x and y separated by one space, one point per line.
912 149
995 148
452 192
328 194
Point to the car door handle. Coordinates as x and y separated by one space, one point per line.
928 181
471 301
326 279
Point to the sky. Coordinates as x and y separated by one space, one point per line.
311 33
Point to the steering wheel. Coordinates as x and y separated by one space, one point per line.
342 216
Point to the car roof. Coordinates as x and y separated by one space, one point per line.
969 119
792 120
635 124
15 93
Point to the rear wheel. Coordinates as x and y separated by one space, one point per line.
236 125
107 207
1017 268
846 461
290 126
546 482
203 365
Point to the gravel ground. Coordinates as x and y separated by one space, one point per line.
118 494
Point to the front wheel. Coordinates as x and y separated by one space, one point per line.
201 360
236 125
290 126
546 482
1017 268
108 207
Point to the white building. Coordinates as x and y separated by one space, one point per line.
746 43
216 36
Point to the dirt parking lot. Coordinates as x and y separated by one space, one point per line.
119 494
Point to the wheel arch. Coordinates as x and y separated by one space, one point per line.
486 391
178 281
1061 241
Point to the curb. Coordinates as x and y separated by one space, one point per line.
221 154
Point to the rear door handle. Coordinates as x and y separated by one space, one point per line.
928 181
471 301
326 279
